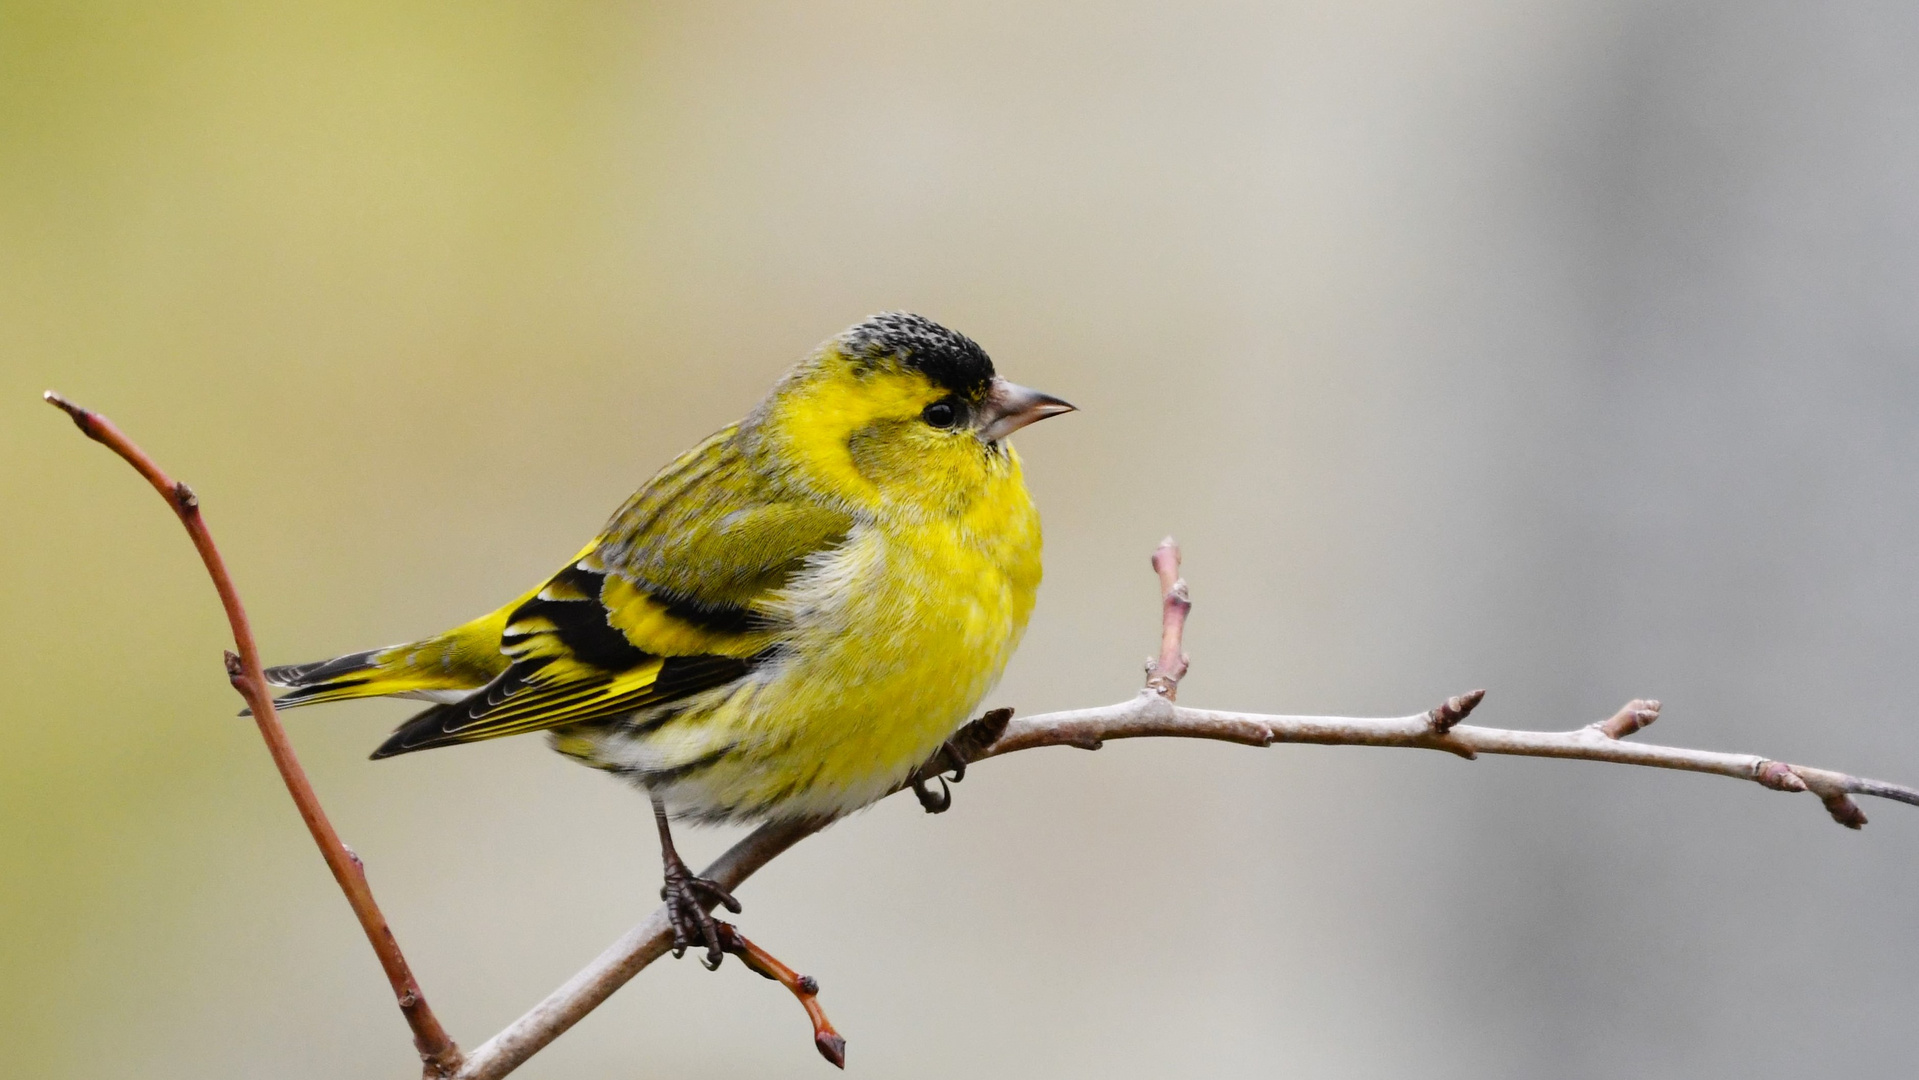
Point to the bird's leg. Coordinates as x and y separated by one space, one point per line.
966 744
687 897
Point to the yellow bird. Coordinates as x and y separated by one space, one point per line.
786 621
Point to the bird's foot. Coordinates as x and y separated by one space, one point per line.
954 754
940 803
687 899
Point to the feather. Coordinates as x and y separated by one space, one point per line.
677 597
788 618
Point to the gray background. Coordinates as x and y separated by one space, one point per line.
1566 350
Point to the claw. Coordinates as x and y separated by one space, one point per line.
691 921
676 915
720 895
967 743
679 935
934 804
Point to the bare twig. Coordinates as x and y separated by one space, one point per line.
804 987
438 1055
1152 712
1150 715
1164 671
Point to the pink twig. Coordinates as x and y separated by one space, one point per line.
438 1054
1164 672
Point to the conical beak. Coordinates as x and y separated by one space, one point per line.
1010 406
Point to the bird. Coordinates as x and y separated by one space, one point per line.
785 622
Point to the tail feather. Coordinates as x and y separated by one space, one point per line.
298 675
327 680
442 668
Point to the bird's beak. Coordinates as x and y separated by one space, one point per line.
1010 406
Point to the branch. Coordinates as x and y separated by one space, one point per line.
1152 713
438 1055
1149 714
625 958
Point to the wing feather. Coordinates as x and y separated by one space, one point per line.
673 600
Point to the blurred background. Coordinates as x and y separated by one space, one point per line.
1568 350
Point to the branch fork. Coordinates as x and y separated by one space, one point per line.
1153 712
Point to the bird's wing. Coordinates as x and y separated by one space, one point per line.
671 600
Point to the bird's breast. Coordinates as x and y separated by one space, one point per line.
888 642
897 635
915 621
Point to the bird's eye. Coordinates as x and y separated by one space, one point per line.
941 414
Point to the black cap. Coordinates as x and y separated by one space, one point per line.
953 361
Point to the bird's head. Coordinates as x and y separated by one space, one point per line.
899 409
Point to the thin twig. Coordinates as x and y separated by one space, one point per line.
1164 671
804 987
1151 713
438 1054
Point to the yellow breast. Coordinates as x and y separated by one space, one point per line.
898 634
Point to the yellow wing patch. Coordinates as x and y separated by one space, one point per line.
536 695
588 646
659 628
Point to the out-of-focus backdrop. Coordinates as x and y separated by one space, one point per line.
1568 350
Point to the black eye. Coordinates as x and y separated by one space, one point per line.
941 414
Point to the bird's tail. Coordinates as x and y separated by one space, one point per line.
441 668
